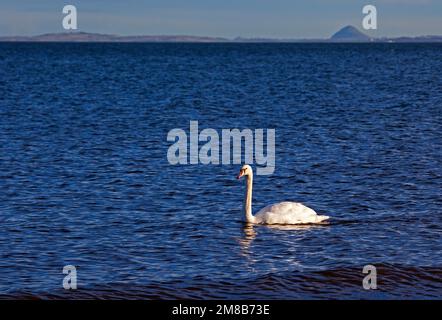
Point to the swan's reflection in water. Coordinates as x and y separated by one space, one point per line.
245 241
298 227
250 232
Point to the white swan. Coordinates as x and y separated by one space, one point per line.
279 213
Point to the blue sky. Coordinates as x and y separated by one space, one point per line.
226 18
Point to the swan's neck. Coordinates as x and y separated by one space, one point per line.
247 206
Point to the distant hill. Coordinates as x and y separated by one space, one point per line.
346 34
98 37
349 34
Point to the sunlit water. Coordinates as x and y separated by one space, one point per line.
84 177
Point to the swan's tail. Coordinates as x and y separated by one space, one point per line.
321 218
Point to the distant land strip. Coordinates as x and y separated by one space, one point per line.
346 34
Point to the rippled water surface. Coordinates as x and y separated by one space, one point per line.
84 176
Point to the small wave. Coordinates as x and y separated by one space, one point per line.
394 282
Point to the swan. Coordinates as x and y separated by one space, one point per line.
280 213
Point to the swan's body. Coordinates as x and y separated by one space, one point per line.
280 213
287 213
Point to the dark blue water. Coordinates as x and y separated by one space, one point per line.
84 177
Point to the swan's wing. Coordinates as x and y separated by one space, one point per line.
288 213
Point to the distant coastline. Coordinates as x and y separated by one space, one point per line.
346 34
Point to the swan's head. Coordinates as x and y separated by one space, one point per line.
246 170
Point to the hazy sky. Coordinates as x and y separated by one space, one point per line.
227 18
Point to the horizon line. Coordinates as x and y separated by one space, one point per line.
221 38
342 35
